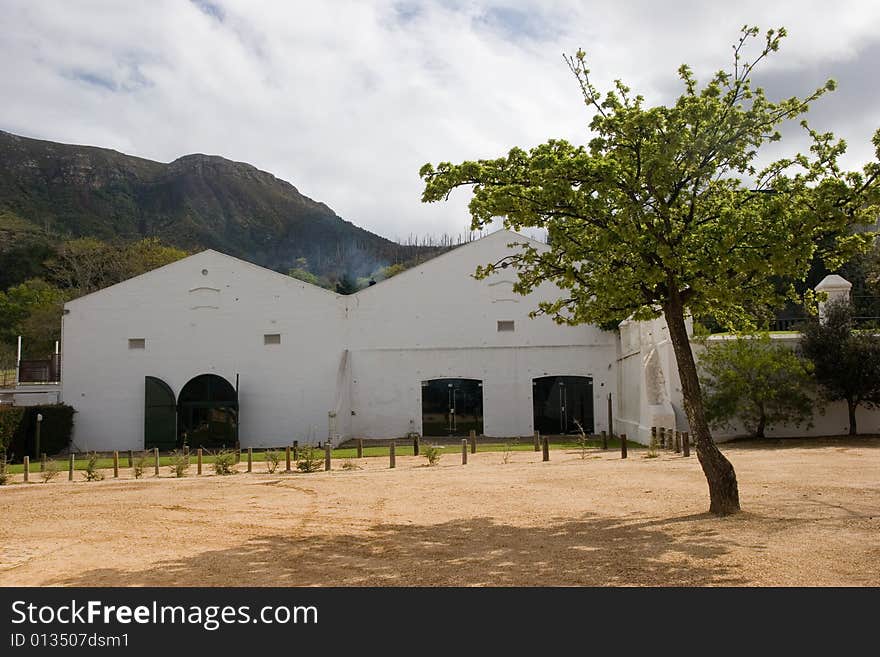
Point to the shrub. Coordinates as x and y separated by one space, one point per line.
91 472
349 464
50 472
10 420
582 440
652 447
508 450
55 430
309 459
224 462
432 453
179 463
273 458
139 465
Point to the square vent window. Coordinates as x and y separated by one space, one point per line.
137 343
272 338
505 325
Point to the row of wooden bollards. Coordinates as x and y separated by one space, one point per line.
677 441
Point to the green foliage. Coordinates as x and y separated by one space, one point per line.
10 420
846 361
179 463
4 471
91 471
55 432
309 459
38 299
759 382
346 286
432 453
224 462
273 458
349 464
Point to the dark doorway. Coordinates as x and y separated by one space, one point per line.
452 407
160 415
561 402
207 413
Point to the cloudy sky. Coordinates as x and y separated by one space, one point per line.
346 100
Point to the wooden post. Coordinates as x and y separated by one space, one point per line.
654 442
686 444
360 448
250 459
296 450
27 467
130 459
391 460
545 445
473 438
327 449
186 451
199 461
287 458
537 441
604 440
37 435
70 470
43 462
677 442
116 465
610 417
464 450
416 445
623 445
662 438
156 458
237 455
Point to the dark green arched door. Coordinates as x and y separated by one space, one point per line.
160 415
207 413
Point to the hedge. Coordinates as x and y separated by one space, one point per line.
18 425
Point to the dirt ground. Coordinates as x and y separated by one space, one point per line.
811 517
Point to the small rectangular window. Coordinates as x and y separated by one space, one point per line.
505 325
272 338
137 343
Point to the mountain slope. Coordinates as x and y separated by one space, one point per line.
196 201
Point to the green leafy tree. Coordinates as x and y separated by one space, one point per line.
665 212
756 381
346 286
301 272
846 361
32 310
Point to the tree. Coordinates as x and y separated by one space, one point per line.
32 309
301 272
666 213
757 381
346 286
846 361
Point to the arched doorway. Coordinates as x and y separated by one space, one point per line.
561 403
160 415
207 413
452 407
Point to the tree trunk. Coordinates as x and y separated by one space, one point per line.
762 423
852 405
720 475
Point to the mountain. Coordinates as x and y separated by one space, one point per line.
196 201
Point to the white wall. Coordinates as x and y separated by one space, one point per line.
196 324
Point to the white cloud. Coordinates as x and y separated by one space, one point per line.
347 100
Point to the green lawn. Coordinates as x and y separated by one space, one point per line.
259 455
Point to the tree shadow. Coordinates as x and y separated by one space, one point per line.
591 551
865 441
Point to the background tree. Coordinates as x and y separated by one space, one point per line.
846 361
33 310
759 382
666 213
345 285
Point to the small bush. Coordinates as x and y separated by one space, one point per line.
224 462
273 458
349 464
50 472
139 465
582 439
508 450
179 463
91 472
652 448
4 473
309 459
432 453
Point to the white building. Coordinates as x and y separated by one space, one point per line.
219 349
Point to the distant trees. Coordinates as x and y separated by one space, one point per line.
846 361
32 308
760 383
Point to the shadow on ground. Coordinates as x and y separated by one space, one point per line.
591 551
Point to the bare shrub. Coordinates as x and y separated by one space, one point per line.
139 465
273 458
179 463
349 464
49 472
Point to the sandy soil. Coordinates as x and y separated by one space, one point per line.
812 517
